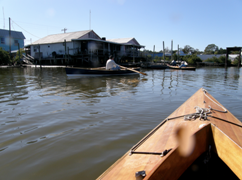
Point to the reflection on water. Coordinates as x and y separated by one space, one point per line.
58 127
100 86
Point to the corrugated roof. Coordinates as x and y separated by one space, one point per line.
121 40
14 34
132 41
57 38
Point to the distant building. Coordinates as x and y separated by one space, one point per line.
207 56
84 47
153 55
16 38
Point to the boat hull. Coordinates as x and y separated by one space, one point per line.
154 65
181 68
217 131
97 71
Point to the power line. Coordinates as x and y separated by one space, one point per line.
56 27
39 24
25 30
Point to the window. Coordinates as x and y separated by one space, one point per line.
15 42
2 41
35 48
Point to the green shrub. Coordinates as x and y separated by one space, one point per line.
4 57
191 59
236 61
220 60
17 58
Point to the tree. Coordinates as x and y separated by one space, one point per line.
196 51
157 59
4 57
210 49
222 51
188 49
174 56
191 59
220 60
149 57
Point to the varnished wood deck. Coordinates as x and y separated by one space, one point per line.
222 131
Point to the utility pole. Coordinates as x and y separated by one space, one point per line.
90 20
64 30
10 37
64 44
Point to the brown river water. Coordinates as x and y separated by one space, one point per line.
58 127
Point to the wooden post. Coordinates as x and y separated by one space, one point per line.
133 56
65 50
68 54
19 54
10 37
109 50
178 52
39 57
239 64
164 51
153 53
226 58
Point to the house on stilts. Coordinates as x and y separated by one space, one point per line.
84 48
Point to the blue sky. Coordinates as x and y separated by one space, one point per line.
196 23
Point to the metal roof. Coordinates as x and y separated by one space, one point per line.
57 38
125 41
82 35
14 34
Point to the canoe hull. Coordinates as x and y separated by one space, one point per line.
97 71
219 132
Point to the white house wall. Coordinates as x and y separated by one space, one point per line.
206 56
47 49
